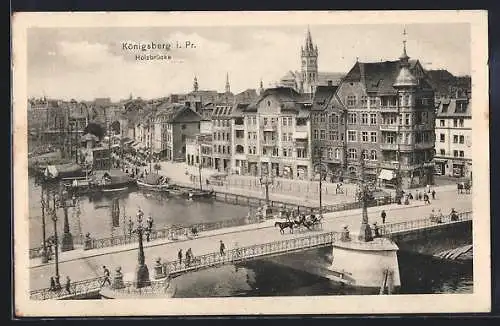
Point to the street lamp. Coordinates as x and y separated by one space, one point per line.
67 239
45 257
56 240
365 232
142 272
265 181
199 167
321 166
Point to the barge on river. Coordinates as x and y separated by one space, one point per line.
99 182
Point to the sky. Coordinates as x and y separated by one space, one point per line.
85 63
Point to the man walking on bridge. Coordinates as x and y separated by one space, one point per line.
106 276
179 254
222 248
383 215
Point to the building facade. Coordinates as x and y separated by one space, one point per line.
454 137
389 121
271 135
221 137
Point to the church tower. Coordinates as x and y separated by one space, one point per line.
228 86
309 67
195 84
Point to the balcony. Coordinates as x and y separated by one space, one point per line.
239 141
270 127
389 146
302 129
389 108
389 128
269 142
239 127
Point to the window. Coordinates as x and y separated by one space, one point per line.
249 135
442 152
441 138
364 136
373 118
323 117
461 153
352 153
254 121
284 137
351 100
461 123
275 151
337 153
373 136
322 134
455 153
363 101
373 155
301 153
373 101
455 139
333 135
455 123
315 134
390 138
223 149
364 154
333 119
265 121
407 119
284 121
353 118
330 153
364 118
441 123
461 139
352 135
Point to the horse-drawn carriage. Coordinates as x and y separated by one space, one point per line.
301 222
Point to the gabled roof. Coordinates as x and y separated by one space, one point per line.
171 111
322 96
288 97
379 77
450 108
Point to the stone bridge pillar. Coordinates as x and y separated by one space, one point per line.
365 264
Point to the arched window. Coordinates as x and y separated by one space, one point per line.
373 155
330 153
337 153
364 154
352 171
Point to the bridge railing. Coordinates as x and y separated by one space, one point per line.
76 288
156 287
389 229
259 250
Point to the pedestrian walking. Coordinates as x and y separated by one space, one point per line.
222 248
426 199
147 232
106 276
433 193
130 226
52 284
150 222
68 285
188 258
179 255
383 215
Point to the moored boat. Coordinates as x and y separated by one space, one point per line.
200 194
102 182
155 183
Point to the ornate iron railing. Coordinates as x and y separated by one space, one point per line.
394 228
156 287
76 288
252 252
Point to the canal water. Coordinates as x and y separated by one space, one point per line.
419 274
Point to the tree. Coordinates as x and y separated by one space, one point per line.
95 129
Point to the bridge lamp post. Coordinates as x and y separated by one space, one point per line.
142 272
56 241
265 181
45 256
320 166
365 232
67 239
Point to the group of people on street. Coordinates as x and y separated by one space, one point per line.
188 257
55 286
439 218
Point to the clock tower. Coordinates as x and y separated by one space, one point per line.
309 65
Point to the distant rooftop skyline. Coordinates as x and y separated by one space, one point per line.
88 63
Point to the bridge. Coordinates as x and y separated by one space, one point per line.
295 243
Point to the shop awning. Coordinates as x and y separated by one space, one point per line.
386 175
300 135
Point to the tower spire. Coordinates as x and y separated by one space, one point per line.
195 84
228 86
261 87
404 57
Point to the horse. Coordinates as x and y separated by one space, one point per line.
284 225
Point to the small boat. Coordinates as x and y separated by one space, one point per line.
200 194
102 182
155 183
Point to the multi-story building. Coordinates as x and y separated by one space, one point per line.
454 137
328 130
221 137
390 120
271 135
173 124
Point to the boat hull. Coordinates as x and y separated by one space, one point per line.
164 188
